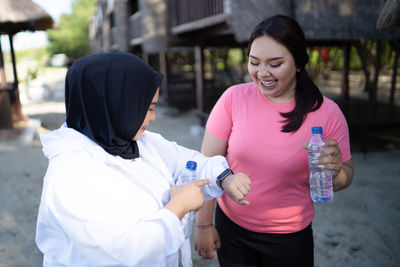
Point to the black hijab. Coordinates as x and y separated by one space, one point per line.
107 97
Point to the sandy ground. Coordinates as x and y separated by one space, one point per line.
361 227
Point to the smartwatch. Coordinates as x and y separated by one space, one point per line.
222 176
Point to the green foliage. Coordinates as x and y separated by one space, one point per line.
234 56
32 73
336 58
72 35
355 61
30 62
37 54
314 57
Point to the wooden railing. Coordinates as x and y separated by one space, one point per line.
184 11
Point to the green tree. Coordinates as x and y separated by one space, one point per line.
72 35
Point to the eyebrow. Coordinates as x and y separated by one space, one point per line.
273 58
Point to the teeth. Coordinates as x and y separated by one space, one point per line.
269 83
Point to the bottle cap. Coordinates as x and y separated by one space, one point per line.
191 165
316 130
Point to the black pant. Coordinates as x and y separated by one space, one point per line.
241 247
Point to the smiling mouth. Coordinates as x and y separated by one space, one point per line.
269 84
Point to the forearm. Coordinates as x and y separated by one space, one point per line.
204 216
176 208
345 176
211 169
211 146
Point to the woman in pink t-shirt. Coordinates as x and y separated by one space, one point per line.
261 127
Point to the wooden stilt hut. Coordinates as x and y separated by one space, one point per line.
16 16
156 29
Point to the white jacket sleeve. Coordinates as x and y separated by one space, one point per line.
176 156
112 222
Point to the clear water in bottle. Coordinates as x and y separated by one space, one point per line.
188 176
320 180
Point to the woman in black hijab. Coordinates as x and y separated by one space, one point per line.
107 97
109 195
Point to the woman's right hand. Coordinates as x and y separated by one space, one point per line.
186 198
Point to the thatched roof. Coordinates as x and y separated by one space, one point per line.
23 15
389 16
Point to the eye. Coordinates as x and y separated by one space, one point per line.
254 64
275 65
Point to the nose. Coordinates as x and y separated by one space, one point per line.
264 72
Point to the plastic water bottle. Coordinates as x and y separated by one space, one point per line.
320 180
188 176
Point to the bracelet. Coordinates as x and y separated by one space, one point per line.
202 227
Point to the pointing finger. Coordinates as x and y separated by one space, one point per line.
202 182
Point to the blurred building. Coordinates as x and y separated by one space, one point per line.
188 39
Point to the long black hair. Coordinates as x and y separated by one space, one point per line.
308 97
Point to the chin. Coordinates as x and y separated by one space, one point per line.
266 92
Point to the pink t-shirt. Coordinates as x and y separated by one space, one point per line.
276 162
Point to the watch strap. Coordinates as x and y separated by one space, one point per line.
222 176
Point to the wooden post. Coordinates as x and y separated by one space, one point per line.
373 90
345 71
106 33
16 108
5 107
394 73
14 64
198 56
361 50
3 76
122 23
163 69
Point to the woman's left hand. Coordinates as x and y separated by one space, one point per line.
237 186
331 159
330 156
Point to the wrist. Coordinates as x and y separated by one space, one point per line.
222 176
205 226
227 178
177 208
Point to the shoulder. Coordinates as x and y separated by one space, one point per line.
240 90
329 112
333 117
329 106
152 139
78 162
69 145
149 136
72 173
329 115
236 93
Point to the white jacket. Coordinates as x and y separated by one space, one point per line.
102 210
